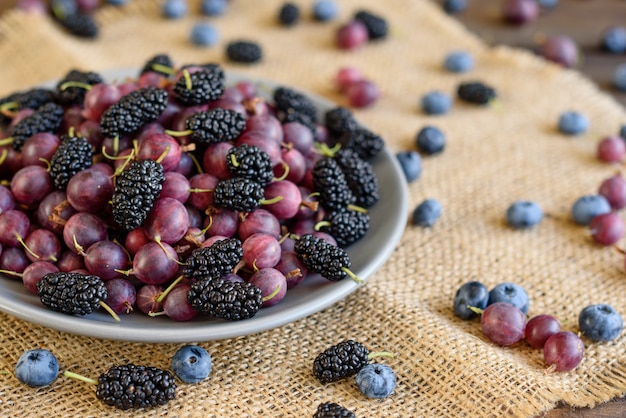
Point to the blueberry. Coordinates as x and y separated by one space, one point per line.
470 294
600 322
37 367
426 213
411 163
619 77
587 207
523 214
454 6
325 10
174 9
430 140
614 40
117 2
376 380
511 293
458 62
548 4
64 7
622 132
573 123
436 103
191 363
214 7
204 34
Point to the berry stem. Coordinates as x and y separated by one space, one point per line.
110 311
271 295
169 288
322 224
475 309
178 133
271 201
13 273
69 84
80 377
163 69
187 77
380 354
352 275
6 141
285 172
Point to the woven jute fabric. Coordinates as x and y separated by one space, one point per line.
494 155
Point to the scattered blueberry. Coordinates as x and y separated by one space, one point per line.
614 40
117 2
454 6
473 294
191 363
325 10
37 367
436 103
411 163
458 62
64 7
427 213
573 123
523 214
204 34
600 322
214 7
174 9
619 77
376 380
510 293
622 132
430 140
587 207
548 4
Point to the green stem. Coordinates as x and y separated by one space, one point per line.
80 377
352 275
178 133
169 288
110 311
380 354
271 295
78 84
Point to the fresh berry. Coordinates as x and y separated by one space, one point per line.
476 92
364 142
454 6
239 194
214 125
524 214
572 123
199 87
319 256
346 226
611 149
71 293
289 14
376 25
251 162
470 294
362 93
351 35
563 351
191 363
427 213
80 24
600 322
73 155
458 62
133 111
331 184
160 63
360 177
560 49
619 77
214 7
539 328
520 12
37 367
174 9
342 360
607 228
436 103
376 380
614 190
224 299
587 207
287 101
213 261
511 293
47 118
503 323
411 164
70 90
332 410
614 40
340 120
245 52
204 34
325 10
136 190
430 140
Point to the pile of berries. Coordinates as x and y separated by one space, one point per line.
503 319
175 194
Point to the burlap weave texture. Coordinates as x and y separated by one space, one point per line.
495 155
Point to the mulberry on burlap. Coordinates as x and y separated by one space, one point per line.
494 155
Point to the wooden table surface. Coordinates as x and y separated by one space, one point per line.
582 20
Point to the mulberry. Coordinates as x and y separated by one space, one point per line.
339 120
346 226
133 111
160 63
47 118
360 176
71 293
71 95
131 386
239 194
376 25
332 410
250 162
223 299
136 190
214 261
476 92
82 25
287 100
364 142
245 52
319 256
216 125
71 156
340 361
199 87
331 184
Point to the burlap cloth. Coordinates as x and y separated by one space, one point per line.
445 367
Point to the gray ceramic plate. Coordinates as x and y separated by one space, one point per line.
388 220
